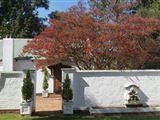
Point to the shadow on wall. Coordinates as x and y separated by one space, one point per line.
2 82
143 97
7 75
91 100
85 99
79 90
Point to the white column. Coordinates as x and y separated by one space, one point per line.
8 54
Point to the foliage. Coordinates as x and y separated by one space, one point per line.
113 10
90 43
150 9
45 81
54 15
67 91
27 88
19 18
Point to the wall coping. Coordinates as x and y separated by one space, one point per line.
109 71
11 72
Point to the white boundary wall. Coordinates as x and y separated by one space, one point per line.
21 65
10 90
107 88
39 82
8 54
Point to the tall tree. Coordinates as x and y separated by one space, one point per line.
148 8
151 9
19 18
54 15
91 43
122 9
113 10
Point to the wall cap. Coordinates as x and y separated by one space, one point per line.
122 71
110 71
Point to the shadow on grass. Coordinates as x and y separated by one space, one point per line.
99 117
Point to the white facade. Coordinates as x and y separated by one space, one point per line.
9 63
1 66
39 82
8 54
11 74
10 90
108 88
21 65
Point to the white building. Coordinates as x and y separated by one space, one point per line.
12 67
11 60
99 91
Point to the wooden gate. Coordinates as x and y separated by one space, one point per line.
57 76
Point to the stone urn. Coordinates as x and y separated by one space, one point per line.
67 107
45 93
26 108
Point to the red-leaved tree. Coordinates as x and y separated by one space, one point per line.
89 43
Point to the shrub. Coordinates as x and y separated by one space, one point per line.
45 81
67 91
27 88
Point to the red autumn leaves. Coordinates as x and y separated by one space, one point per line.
90 43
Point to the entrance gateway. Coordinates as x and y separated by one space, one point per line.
53 103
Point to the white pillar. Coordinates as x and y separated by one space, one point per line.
8 54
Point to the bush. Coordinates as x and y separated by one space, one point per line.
27 88
67 93
45 81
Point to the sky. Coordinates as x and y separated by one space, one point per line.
60 5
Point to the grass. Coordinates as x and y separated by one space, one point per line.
77 117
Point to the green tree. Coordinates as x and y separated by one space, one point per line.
113 10
54 15
19 18
27 88
67 91
151 9
45 81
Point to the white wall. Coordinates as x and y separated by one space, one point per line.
1 66
39 84
8 54
21 65
108 88
10 90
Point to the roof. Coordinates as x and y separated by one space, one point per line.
19 44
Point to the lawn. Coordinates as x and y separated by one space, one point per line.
78 117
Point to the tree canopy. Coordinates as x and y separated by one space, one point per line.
143 8
19 18
149 8
82 37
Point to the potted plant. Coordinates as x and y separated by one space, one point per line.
27 92
67 95
45 83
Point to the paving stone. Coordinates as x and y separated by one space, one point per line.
52 103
